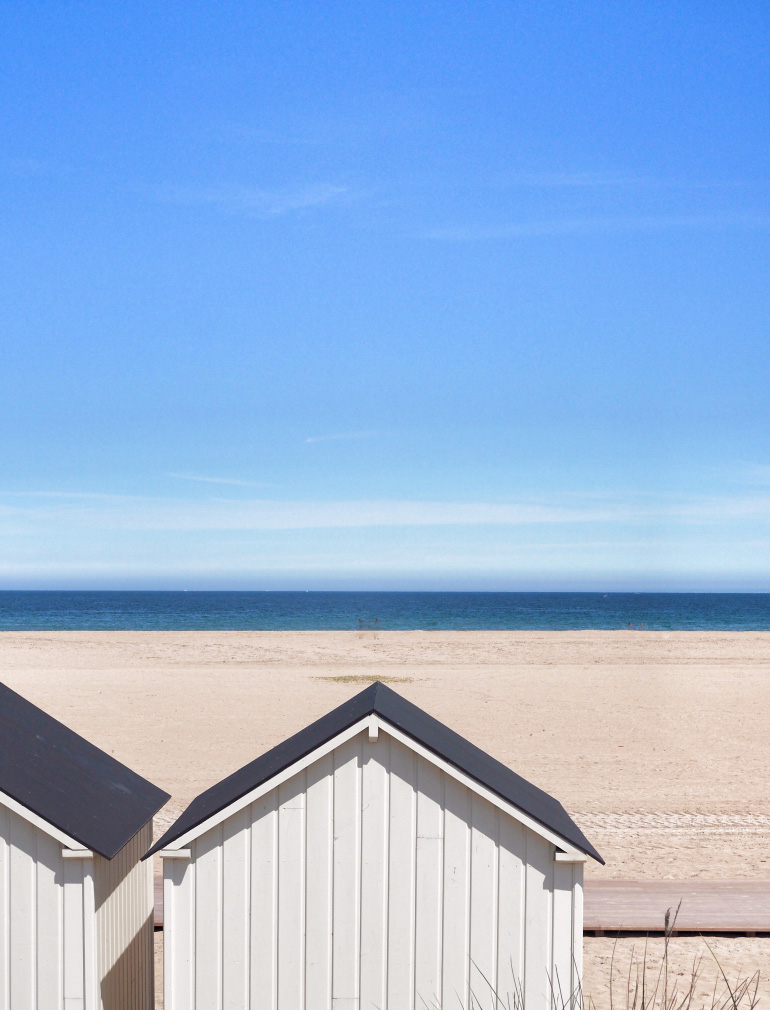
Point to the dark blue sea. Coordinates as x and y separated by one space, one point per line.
301 611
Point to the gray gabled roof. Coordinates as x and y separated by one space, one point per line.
69 782
414 722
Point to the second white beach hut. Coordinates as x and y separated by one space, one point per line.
374 860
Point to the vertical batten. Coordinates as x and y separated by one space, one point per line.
208 920
5 924
484 879
347 867
319 838
178 934
235 911
74 981
374 871
49 932
456 941
264 903
401 883
577 927
538 960
563 982
291 893
510 908
429 884
22 914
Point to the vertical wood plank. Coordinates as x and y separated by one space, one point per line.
374 871
178 934
264 902
347 869
5 934
484 879
207 852
318 902
236 872
90 980
401 882
22 914
510 908
456 940
74 980
49 921
291 893
561 971
537 952
429 870
577 927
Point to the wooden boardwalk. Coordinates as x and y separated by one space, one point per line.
639 906
708 906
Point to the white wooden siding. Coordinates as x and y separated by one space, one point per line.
372 879
42 920
124 926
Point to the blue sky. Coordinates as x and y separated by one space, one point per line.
382 295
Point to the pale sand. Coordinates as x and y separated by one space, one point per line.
657 742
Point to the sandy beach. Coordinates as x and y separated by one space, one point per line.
656 742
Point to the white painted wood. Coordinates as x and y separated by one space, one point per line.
36 821
291 893
372 878
510 908
208 919
74 969
563 980
570 857
91 996
483 912
347 879
236 910
175 853
319 830
457 887
251 797
77 854
374 728
178 935
5 920
264 902
476 787
22 915
538 965
577 927
401 876
374 872
429 900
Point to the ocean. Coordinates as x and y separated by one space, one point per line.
407 611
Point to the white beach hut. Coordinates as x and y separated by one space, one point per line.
374 860
76 929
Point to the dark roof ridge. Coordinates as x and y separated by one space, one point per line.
419 726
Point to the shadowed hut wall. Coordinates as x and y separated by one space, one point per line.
124 926
43 922
372 879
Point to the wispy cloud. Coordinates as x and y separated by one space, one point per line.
594 225
202 479
342 436
146 513
252 200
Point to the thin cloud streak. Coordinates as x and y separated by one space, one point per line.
253 201
589 226
223 514
200 478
